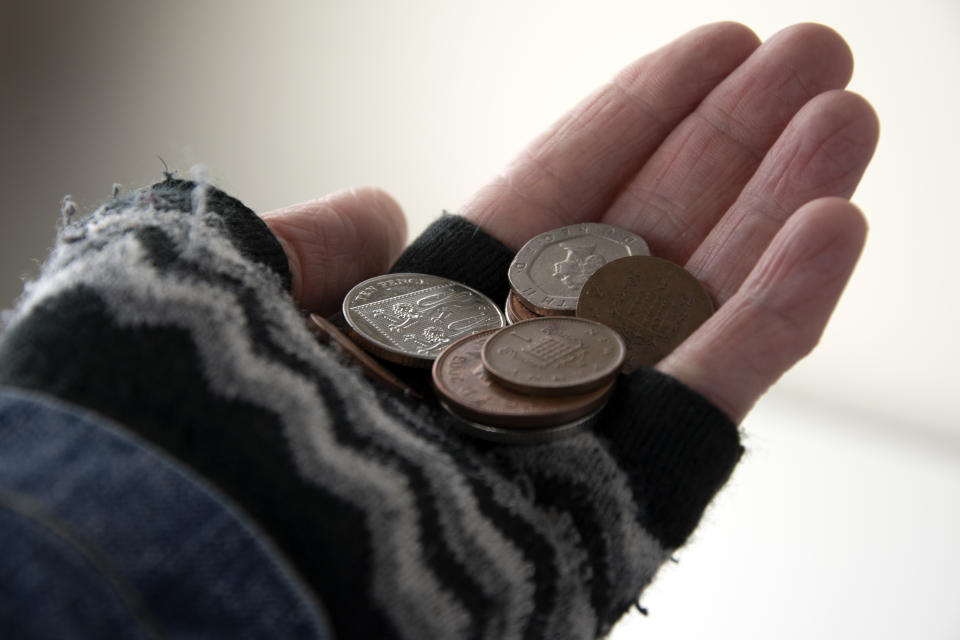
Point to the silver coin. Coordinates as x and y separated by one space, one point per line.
519 436
551 268
508 313
409 318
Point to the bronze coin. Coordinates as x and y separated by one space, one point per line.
551 268
463 385
520 436
653 303
516 311
409 318
327 333
554 356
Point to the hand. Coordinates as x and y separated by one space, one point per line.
731 157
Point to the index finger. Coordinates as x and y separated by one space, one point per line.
573 171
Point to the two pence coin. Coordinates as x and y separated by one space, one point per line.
653 303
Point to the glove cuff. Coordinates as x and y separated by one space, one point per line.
454 248
677 447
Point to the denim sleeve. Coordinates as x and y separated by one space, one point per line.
105 537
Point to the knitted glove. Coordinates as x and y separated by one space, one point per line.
169 311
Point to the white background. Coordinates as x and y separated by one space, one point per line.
843 520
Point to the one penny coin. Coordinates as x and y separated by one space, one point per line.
554 356
409 318
653 303
551 268
462 384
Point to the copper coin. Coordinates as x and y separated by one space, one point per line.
520 436
554 356
653 303
516 311
551 268
328 333
463 385
409 318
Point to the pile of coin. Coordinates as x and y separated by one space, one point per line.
587 302
533 381
603 273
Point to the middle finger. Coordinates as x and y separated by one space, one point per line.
699 170
572 172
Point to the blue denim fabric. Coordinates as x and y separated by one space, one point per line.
102 536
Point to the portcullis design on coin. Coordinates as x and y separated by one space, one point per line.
554 356
409 318
551 268
653 303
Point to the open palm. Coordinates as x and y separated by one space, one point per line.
730 157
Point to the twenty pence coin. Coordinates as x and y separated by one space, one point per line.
554 356
463 385
551 268
409 318
653 303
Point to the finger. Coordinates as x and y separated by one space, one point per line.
337 241
778 314
693 177
573 171
823 152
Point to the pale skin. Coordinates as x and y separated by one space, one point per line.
732 157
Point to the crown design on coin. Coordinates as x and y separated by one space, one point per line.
400 315
578 265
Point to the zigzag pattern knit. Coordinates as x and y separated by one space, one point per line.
168 311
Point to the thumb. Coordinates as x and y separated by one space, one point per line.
336 241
